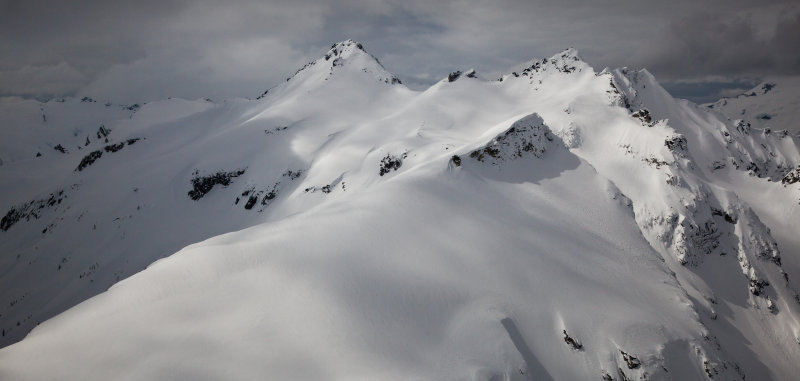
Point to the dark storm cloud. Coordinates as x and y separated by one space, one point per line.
137 50
703 44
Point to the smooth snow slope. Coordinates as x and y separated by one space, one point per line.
555 224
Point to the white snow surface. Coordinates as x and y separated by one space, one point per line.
773 104
556 224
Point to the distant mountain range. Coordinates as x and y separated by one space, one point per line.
773 104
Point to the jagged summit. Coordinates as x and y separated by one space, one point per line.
344 49
571 53
565 62
636 87
348 57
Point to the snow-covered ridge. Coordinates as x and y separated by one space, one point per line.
567 61
558 224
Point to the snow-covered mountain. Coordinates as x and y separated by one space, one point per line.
773 104
557 223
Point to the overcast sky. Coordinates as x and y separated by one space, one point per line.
134 51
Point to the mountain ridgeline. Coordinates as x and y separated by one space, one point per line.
556 223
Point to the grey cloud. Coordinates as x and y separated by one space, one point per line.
236 69
705 45
149 49
139 50
54 79
784 45
84 34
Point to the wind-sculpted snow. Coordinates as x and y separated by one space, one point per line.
559 223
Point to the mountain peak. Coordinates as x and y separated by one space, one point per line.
344 49
344 56
349 53
567 61
569 53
